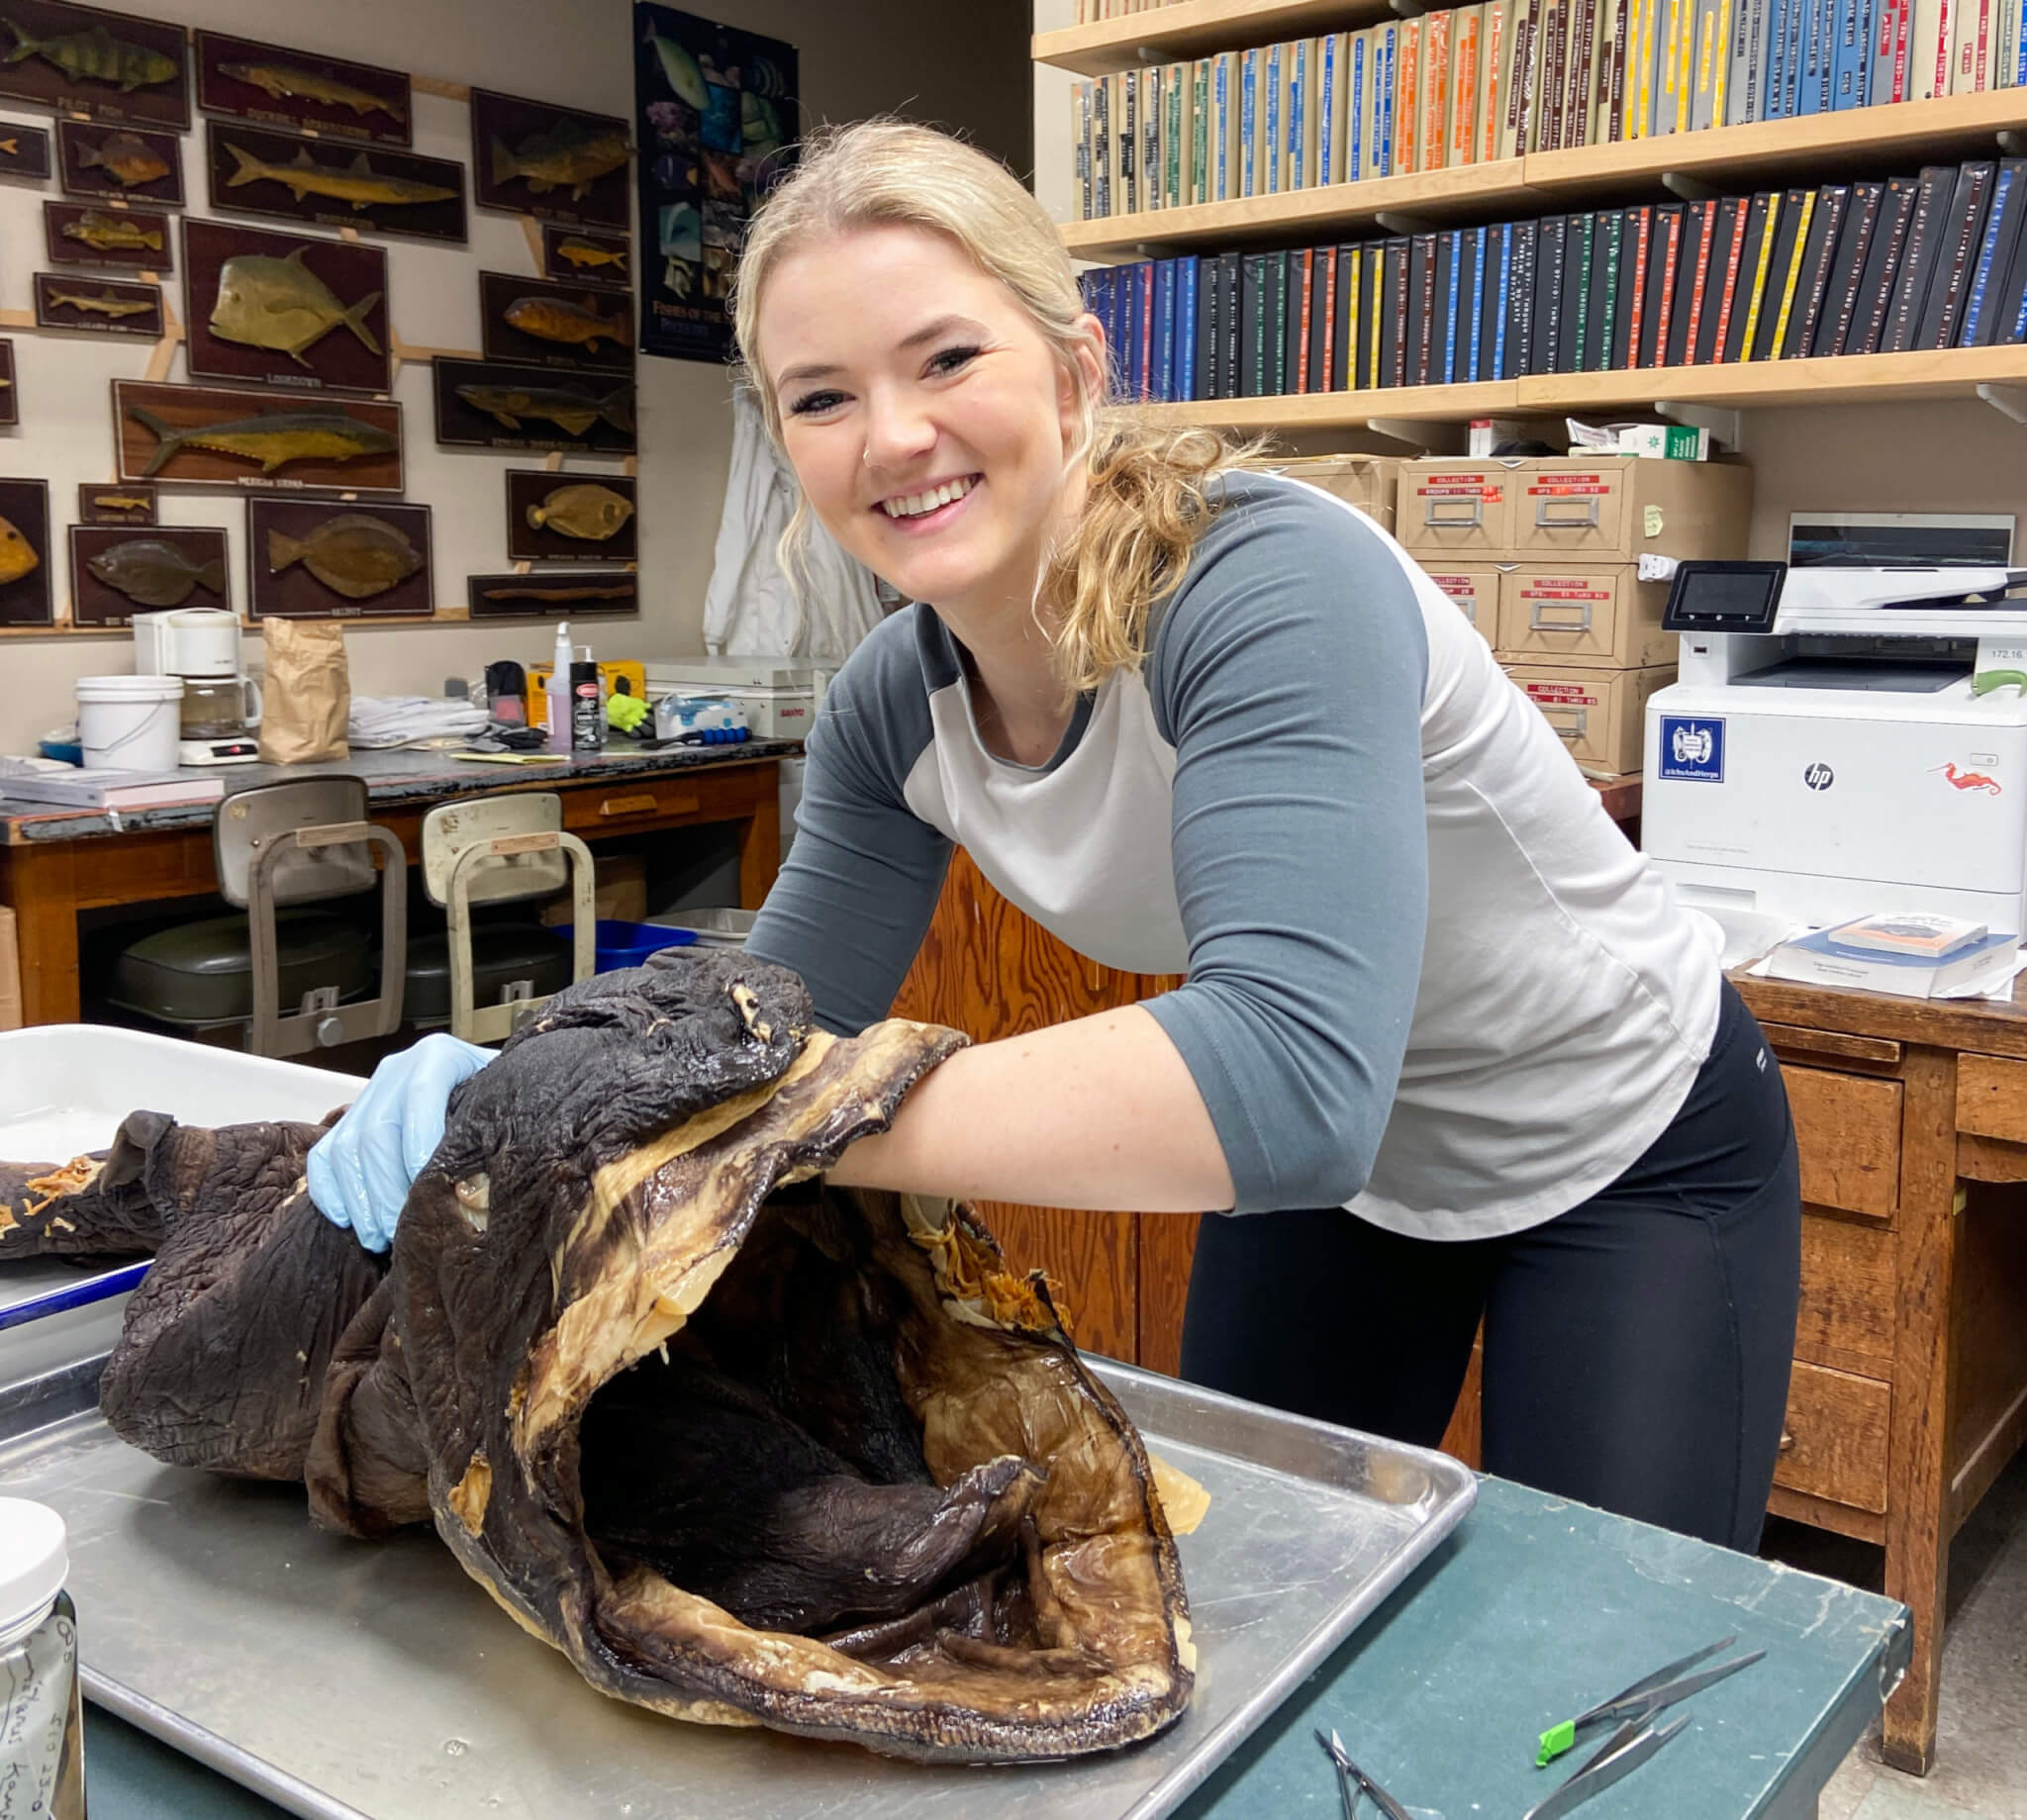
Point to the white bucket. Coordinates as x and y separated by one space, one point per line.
129 723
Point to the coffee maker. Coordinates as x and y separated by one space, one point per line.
221 702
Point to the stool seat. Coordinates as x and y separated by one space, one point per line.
502 954
201 973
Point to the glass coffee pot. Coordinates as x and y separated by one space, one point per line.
220 707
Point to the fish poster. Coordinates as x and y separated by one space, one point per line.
98 306
275 87
539 323
23 153
120 161
579 255
251 171
719 123
103 502
284 309
307 561
136 240
554 517
24 553
555 164
486 403
10 392
116 573
527 596
77 59
212 436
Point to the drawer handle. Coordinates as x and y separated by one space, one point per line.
1538 620
1565 513
642 805
1786 1442
1454 512
1573 722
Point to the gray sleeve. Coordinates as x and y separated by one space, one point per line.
1288 674
860 883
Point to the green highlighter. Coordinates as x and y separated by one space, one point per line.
1644 1698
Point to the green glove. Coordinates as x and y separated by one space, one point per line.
625 711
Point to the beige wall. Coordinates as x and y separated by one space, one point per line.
857 58
1916 457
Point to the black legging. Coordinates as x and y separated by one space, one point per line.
1636 1348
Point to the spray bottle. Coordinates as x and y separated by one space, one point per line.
558 722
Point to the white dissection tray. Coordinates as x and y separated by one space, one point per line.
64 1087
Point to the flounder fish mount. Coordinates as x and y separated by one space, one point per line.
357 183
96 56
272 438
152 572
354 554
18 555
586 511
281 305
287 82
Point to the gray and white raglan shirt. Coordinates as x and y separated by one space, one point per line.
1427 979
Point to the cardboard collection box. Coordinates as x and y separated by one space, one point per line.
1475 587
1601 617
1368 482
1599 715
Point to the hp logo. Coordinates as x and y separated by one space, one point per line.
1818 776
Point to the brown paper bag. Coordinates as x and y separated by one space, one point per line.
307 694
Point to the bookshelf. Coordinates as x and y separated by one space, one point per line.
1197 28
1850 379
1730 158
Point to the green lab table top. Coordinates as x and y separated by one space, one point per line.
1531 1612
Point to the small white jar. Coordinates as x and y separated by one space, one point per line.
42 1716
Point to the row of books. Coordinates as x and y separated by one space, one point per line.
1478 83
1092 12
1932 261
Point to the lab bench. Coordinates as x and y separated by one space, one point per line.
1531 1610
54 863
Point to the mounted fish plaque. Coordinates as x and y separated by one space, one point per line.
337 562
483 404
116 573
253 172
77 59
24 553
120 161
132 240
577 256
525 597
10 393
206 435
23 153
554 517
104 502
98 306
280 87
551 162
539 323
276 308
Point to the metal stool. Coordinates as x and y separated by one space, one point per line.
503 850
299 842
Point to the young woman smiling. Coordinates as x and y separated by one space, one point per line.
1447 1048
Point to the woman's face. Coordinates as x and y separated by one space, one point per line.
923 414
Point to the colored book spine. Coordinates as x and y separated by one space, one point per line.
1249 106
1453 322
1788 280
1359 46
1495 15
1183 384
1763 258
1329 153
1643 244
1502 281
1481 237
1733 257
1702 278
1271 105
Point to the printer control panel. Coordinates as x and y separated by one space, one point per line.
1723 597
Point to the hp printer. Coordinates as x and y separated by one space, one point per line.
1843 740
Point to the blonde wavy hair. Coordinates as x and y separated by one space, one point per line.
1148 497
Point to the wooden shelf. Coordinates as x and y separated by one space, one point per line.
1855 379
1729 159
1194 28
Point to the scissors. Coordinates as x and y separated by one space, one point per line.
1352 1781
1646 1697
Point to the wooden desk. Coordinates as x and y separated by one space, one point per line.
1909 1393
53 864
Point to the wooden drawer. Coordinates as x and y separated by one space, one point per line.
1846 1319
1848 1130
1475 589
1835 1443
1601 616
1991 1097
1455 509
625 803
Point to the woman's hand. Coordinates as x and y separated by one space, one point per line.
359 1170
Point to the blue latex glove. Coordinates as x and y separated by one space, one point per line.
359 1170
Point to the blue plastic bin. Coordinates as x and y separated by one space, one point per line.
618 944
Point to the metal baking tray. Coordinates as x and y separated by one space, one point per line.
344 1680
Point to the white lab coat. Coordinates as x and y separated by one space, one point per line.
752 608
